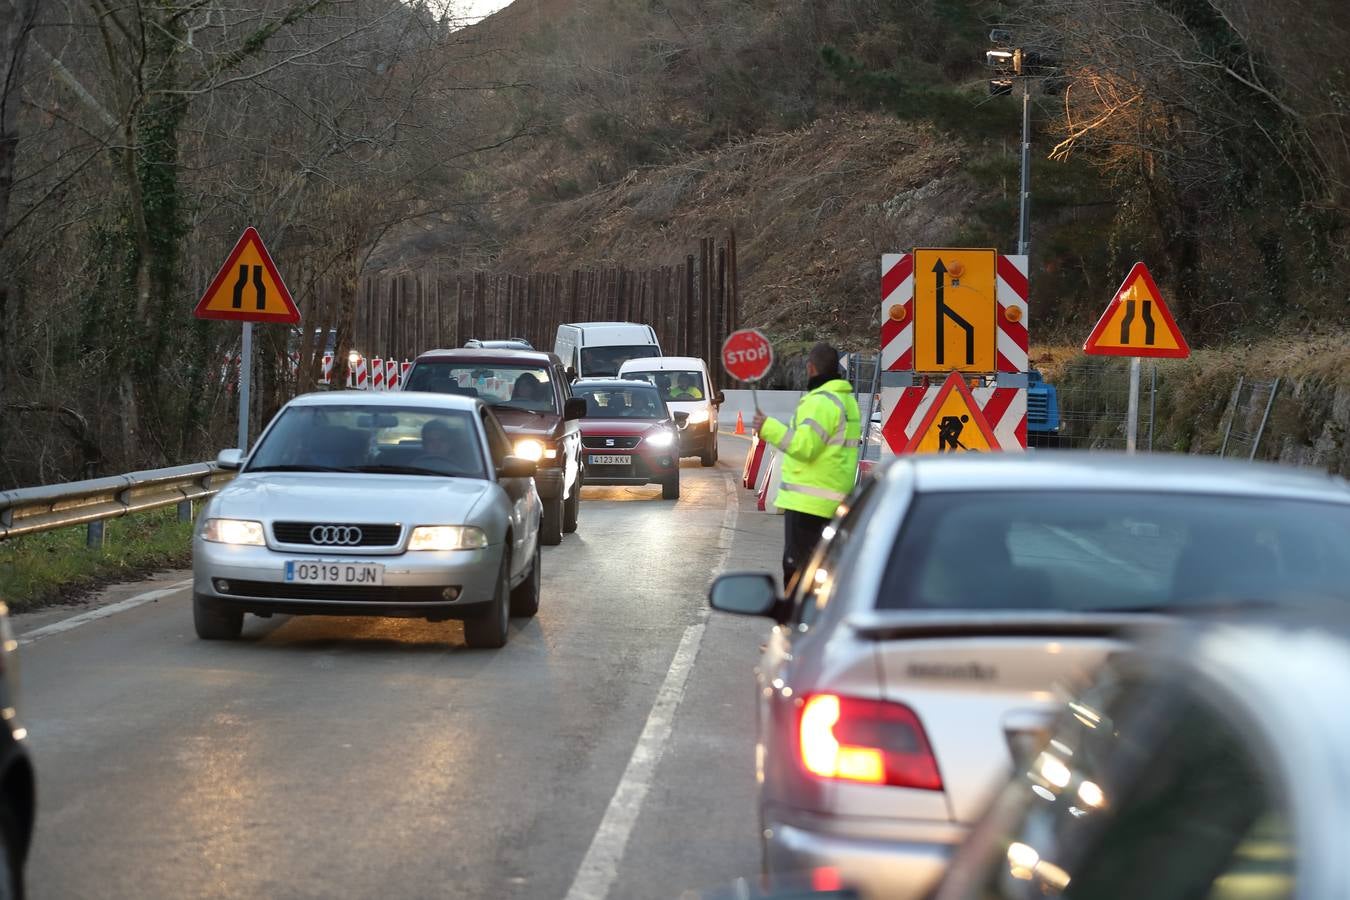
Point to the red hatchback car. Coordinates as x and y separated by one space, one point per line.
628 435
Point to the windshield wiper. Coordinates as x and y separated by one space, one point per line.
296 467
515 408
408 470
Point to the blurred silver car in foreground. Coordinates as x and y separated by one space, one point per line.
919 657
1215 764
353 503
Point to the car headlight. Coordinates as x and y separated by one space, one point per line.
447 537
353 358
698 417
530 449
234 531
661 439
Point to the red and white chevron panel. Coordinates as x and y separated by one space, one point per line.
897 312
1012 355
905 407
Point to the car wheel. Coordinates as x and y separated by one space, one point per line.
489 632
572 509
11 863
215 622
670 488
709 457
525 597
550 526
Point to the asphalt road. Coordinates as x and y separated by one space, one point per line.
606 751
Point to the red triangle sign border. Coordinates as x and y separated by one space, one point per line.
954 382
250 235
1138 271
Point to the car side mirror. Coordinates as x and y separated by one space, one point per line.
574 408
517 467
571 374
746 594
230 459
681 418
719 398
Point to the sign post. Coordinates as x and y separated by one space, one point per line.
248 288
747 355
1130 327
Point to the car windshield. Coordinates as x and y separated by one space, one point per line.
377 439
637 402
677 386
1116 551
604 362
506 386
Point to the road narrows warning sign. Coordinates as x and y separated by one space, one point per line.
248 287
1137 322
954 424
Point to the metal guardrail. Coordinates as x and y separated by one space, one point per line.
47 507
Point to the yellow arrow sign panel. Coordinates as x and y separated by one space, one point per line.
954 423
248 287
1137 322
955 310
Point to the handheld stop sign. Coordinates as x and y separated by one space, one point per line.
747 355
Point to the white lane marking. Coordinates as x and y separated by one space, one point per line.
600 867
102 612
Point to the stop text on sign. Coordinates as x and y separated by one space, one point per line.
747 355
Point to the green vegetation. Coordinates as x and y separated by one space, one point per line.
40 569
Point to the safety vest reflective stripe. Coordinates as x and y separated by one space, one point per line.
843 442
818 428
786 440
808 490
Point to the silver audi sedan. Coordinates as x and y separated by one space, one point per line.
918 659
353 503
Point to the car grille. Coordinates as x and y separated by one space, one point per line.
597 442
1038 407
371 535
277 590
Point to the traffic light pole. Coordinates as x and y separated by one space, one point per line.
1023 215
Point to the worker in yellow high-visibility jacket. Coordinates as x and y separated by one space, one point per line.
820 456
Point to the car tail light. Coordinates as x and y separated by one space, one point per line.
868 741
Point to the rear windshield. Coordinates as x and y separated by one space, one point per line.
1113 551
373 440
638 402
509 387
604 362
677 386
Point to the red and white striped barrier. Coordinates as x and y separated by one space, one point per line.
403 375
377 374
327 377
391 371
1004 408
753 460
362 370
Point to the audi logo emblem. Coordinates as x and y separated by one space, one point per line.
340 535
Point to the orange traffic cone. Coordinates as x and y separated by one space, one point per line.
740 424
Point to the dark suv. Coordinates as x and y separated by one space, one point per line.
532 397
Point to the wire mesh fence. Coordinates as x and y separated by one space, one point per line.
1249 411
1091 395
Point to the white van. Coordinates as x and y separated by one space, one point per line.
598 349
687 388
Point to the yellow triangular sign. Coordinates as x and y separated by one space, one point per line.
1137 322
954 423
248 287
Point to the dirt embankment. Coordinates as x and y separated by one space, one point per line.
813 210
